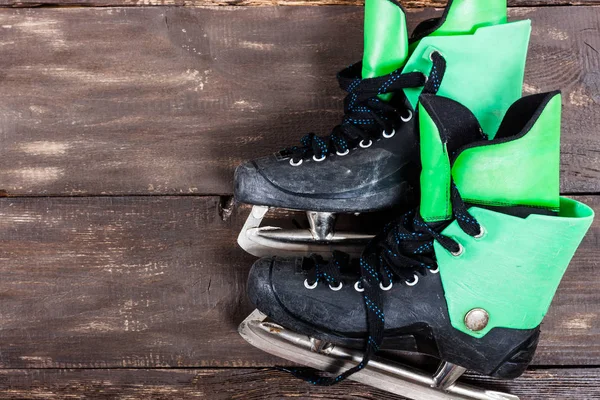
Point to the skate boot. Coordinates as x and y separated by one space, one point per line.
370 161
466 278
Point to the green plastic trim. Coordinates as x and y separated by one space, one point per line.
524 171
485 78
466 16
386 38
484 70
435 171
513 271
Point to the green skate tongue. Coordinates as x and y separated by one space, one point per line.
386 38
445 126
463 17
520 167
386 45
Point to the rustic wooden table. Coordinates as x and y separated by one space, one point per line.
120 128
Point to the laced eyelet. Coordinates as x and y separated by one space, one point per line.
389 135
413 282
358 287
385 288
408 118
319 159
481 233
435 271
460 251
344 153
365 145
432 53
294 163
338 287
310 287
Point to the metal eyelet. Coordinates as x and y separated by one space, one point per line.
385 288
310 287
358 287
344 153
319 159
365 145
407 119
338 287
296 164
432 53
414 282
481 233
435 271
387 136
460 251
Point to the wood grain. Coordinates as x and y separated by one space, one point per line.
152 281
203 3
168 100
251 384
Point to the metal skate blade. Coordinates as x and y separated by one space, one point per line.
382 374
272 241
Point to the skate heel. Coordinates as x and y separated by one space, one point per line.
502 354
519 360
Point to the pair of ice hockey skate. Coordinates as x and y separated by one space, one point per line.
468 275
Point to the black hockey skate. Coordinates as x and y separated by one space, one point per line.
451 279
359 168
370 161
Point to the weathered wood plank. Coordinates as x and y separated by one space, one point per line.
169 100
160 282
240 383
197 3
120 282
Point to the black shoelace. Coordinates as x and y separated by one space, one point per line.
366 116
401 253
404 249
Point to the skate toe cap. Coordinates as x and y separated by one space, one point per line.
248 183
261 289
244 175
278 288
259 285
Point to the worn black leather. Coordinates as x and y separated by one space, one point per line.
365 180
416 318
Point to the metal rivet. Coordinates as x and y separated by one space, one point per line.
296 163
414 281
477 319
309 286
358 287
364 144
434 52
481 233
389 135
460 251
